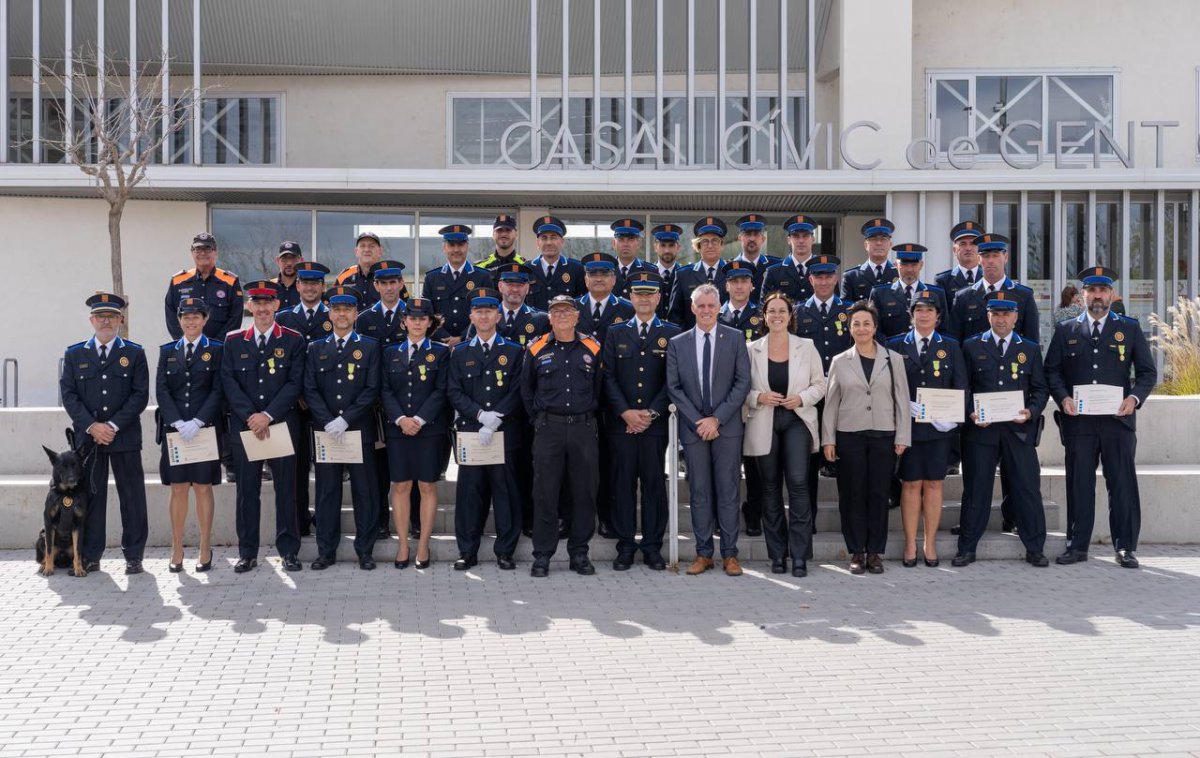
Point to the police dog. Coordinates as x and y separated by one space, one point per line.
61 540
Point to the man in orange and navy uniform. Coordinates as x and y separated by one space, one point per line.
218 288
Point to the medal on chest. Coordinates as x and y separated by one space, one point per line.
937 367
270 365
350 372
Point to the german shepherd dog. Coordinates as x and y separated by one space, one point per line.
60 542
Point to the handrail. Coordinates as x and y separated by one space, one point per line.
16 374
673 488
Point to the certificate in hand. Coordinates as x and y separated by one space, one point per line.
1098 399
940 405
203 447
277 445
997 407
328 450
468 451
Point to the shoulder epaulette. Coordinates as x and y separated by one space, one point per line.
948 338
346 273
935 287
942 273
539 344
1019 286
166 346
183 276
228 277
289 330
1026 339
365 338
131 343
215 343
76 345
235 334
590 343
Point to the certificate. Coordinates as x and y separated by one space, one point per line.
328 450
941 405
468 451
1098 399
203 447
277 445
995 407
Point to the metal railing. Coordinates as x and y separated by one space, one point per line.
16 380
673 489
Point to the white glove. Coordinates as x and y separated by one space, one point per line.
179 425
189 430
490 419
914 408
485 436
944 426
337 426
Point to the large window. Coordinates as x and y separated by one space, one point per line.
248 238
980 107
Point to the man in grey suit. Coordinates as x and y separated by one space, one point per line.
708 377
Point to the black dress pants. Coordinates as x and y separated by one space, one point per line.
865 467
638 459
565 450
788 461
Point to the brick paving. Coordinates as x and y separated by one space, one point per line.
996 659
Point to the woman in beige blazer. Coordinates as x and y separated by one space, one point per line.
867 424
786 382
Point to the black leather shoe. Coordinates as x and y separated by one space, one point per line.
506 562
244 564
465 562
292 563
1037 559
605 530
655 562
384 532
582 566
623 562
828 471
1008 527
134 567
800 570
956 530
1071 556
1126 559
366 563
323 562
90 566
540 568
754 530
779 566
962 559
527 532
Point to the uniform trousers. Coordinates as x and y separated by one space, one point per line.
638 459
302 441
329 505
131 493
565 451
1114 449
866 464
1019 464
789 461
249 501
477 486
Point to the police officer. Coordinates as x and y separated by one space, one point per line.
710 234
894 301
634 362
822 318
286 259
1100 347
857 283
262 376
188 389
626 244
450 287
561 387
341 386
966 255
742 313
753 238
553 272
105 386
368 250
483 388
220 289
969 315
384 320
1001 360
790 276
504 234
666 250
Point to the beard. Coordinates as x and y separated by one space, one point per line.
1097 307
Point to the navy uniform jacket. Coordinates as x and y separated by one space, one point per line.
830 335
367 294
493 384
372 323
116 390
953 280
415 385
894 315
343 383
969 314
1074 359
221 292
687 279
452 300
621 289
1019 369
269 381
759 268
187 391
296 319
289 294
668 277
858 282
942 368
749 321
616 310
561 377
789 278
635 373
568 280
528 324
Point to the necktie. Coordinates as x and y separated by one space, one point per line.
549 271
387 318
262 342
509 321
705 381
341 344
879 272
824 310
624 272
456 273
737 314
596 313
103 353
991 289
1001 346
310 315
970 277
645 330
188 357
908 293
1095 331
709 275
487 349
924 346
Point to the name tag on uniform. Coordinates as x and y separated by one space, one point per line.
1072 342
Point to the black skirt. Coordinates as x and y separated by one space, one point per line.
208 472
419 459
925 461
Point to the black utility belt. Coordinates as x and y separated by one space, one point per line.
567 418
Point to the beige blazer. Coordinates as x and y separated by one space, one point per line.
853 406
806 378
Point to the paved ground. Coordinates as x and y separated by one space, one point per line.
1000 658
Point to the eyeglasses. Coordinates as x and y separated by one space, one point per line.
710 243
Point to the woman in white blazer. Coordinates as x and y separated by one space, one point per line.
786 382
867 424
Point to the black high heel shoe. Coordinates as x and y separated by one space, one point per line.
931 564
908 563
401 564
175 567
207 565
424 564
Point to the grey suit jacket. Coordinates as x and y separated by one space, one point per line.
854 405
730 381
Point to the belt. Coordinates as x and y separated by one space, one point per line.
568 418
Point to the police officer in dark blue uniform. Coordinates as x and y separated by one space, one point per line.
504 234
634 360
220 289
451 287
553 273
858 282
741 312
384 320
710 234
894 301
969 315
1001 360
1100 347
484 389
262 376
341 387
288 257
105 386
790 275
368 250
966 255
753 238
560 386
627 244
666 252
